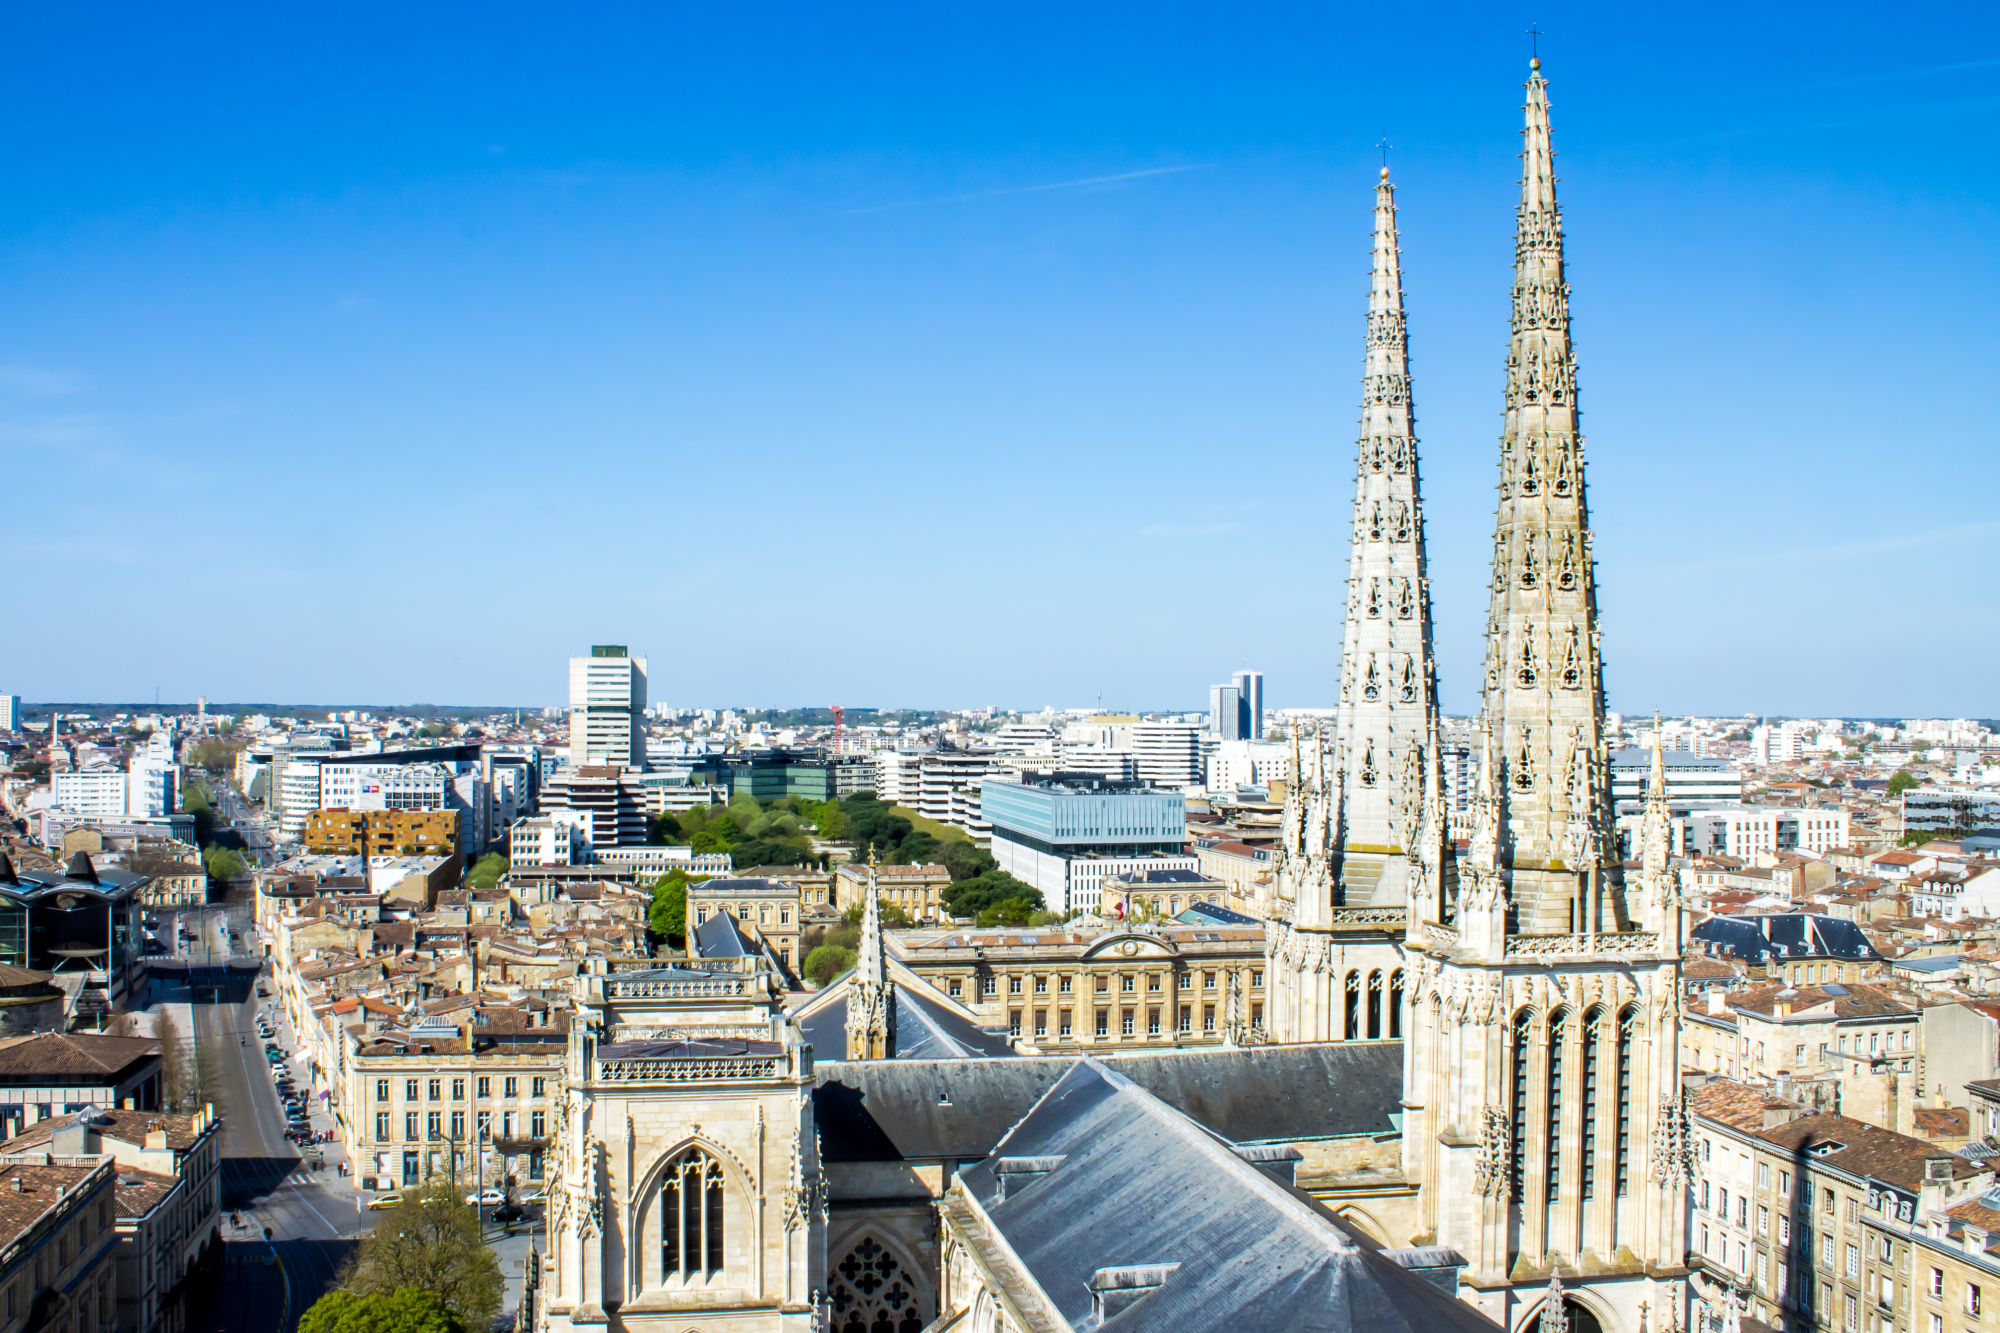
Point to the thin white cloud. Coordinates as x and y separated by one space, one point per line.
38 381
1189 529
1118 179
64 432
1910 541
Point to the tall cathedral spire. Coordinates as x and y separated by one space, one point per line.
1364 830
1543 692
1387 724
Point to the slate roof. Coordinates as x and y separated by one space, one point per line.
888 1110
1756 939
926 1028
718 937
1251 1253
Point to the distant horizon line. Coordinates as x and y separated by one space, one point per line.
216 708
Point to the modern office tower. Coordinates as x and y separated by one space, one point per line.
1225 712
1250 704
607 700
10 712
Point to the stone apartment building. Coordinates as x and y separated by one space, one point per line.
58 1242
1071 991
1852 1047
918 890
773 907
469 1094
1824 1222
168 1201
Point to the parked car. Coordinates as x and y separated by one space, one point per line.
492 1194
536 1195
385 1201
509 1212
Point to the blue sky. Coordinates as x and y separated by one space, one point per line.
950 355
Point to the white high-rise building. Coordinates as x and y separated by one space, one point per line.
97 792
607 702
10 712
1168 753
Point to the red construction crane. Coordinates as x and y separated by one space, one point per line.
838 714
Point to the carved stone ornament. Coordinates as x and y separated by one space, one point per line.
1489 1169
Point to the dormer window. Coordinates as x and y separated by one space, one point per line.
1825 1148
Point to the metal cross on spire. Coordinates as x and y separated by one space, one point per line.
1385 146
1535 35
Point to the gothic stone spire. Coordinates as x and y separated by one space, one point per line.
1543 693
871 1009
1387 724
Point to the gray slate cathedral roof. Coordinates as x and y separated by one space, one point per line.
1118 1184
925 1029
888 1110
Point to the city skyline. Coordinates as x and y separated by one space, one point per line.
354 329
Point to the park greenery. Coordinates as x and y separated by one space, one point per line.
486 871
409 1310
782 831
1901 781
429 1241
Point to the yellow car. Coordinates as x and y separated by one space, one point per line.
385 1201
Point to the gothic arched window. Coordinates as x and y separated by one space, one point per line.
1374 1005
1558 1032
1593 1026
1518 1140
1622 1140
691 1217
871 1294
1353 1028
1396 1004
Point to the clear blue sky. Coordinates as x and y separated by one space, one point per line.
949 355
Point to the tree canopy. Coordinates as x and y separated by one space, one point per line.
486 871
995 898
430 1241
408 1310
224 866
667 916
1902 780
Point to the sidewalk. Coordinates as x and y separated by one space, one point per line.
333 1152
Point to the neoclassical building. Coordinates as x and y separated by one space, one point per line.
1459 1106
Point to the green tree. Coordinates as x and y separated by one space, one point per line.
1902 781
430 1241
826 962
224 865
667 916
985 893
486 872
406 1311
664 830
967 860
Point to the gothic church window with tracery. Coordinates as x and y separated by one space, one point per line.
691 1218
872 1294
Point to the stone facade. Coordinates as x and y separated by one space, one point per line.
688 1190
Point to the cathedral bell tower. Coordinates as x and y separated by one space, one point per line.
1543 1118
